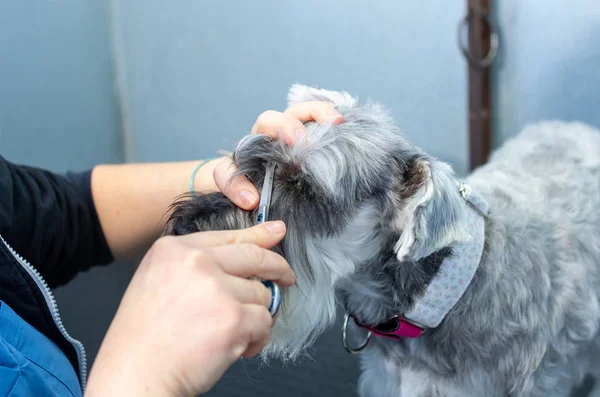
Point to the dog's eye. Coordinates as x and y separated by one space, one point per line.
389 326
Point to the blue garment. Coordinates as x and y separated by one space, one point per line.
30 363
49 232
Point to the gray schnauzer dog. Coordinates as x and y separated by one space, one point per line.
483 287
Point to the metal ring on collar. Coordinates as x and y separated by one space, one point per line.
275 297
345 338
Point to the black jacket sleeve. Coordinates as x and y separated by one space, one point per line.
51 221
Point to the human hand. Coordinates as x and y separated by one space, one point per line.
287 126
189 312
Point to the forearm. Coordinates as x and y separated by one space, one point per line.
132 200
50 220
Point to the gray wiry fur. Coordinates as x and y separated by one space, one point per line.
371 216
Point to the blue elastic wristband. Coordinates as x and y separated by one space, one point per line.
193 176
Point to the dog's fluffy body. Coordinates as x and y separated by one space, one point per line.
371 217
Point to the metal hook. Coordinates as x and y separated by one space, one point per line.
345 338
494 40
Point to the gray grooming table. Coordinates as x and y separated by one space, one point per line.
330 371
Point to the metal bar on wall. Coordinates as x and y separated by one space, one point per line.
480 48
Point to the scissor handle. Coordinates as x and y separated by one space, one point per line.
275 296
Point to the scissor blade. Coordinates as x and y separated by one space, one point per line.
265 195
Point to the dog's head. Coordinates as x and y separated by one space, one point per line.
363 206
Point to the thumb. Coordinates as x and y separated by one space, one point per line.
265 235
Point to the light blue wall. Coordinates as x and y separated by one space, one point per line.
549 63
58 111
199 73
57 105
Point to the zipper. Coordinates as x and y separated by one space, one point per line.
53 307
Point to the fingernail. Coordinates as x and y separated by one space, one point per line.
247 197
333 113
276 227
299 133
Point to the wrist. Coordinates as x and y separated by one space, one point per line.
115 387
126 375
201 178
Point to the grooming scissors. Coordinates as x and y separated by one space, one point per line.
262 217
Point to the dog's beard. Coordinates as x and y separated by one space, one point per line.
309 306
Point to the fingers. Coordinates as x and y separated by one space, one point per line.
239 190
289 126
279 126
248 260
259 323
265 235
256 347
249 291
320 112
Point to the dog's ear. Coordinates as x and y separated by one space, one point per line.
205 212
429 211
299 93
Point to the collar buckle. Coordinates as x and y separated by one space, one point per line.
396 328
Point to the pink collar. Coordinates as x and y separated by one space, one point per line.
395 328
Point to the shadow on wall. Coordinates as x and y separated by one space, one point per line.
572 91
548 66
